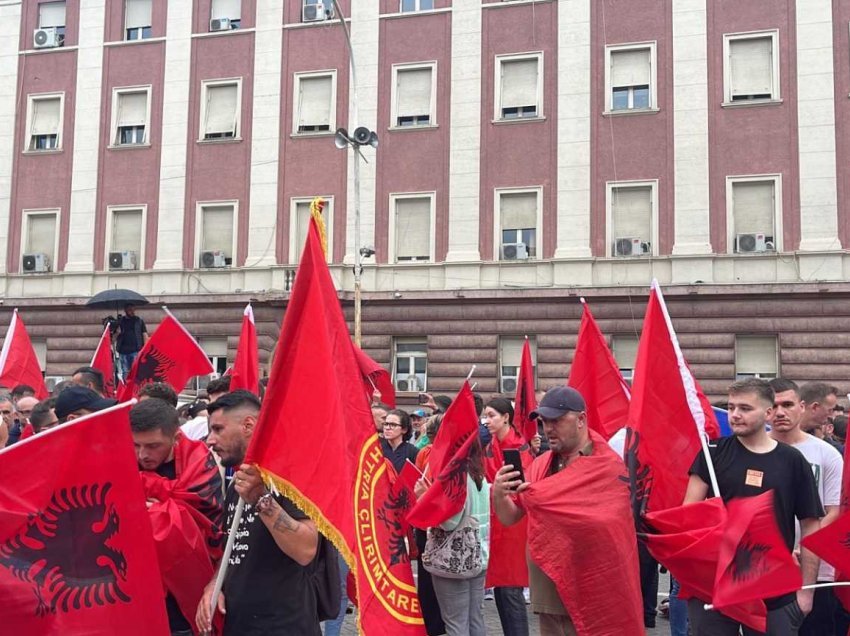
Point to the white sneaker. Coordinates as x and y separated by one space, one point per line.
488 594
526 593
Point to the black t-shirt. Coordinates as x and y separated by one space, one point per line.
266 592
399 454
130 338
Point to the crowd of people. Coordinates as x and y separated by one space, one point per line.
785 438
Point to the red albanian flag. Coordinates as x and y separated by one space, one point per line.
594 373
525 401
754 563
340 481
843 592
375 377
246 367
459 421
76 551
832 544
170 355
105 363
666 414
18 362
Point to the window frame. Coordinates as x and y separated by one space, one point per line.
532 341
610 49
60 30
432 107
200 206
778 242
610 186
424 354
212 83
728 38
25 222
297 76
418 8
117 91
497 223
394 197
328 214
110 215
144 32
234 23
613 348
777 357
497 85
31 99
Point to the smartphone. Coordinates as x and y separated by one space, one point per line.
512 458
423 398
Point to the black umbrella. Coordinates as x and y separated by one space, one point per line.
116 299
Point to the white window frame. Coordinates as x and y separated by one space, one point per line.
31 99
391 232
204 342
418 8
497 85
777 210
653 76
296 91
129 90
199 229
110 215
432 111
141 32
25 218
497 221
610 186
206 85
777 359
727 66
327 214
627 372
409 340
532 342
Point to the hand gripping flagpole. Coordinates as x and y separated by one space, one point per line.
225 559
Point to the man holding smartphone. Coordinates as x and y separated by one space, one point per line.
581 538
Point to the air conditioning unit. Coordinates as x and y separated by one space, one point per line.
509 384
629 246
315 13
46 38
757 242
38 262
514 251
123 260
220 24
213 258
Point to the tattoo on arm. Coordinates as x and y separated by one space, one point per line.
285 522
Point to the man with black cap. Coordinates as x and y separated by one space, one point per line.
76 401
581 537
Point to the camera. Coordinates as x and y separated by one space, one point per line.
112 321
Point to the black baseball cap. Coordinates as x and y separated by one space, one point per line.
558 401
74 398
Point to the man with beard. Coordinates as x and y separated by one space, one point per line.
820 400
269 588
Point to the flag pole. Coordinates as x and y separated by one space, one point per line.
471 371
228 548
811 586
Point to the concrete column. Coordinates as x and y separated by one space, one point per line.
10 25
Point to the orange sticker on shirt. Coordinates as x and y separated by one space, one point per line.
754 478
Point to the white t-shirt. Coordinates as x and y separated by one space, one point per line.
196 428
827 466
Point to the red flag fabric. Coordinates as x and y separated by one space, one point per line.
340 481
18 362
754 562
246 367
28 432
582 535
686 540
832 544
595 374
665 414
103 361
525 400
375 377
459 421
170 355
843 592
76 551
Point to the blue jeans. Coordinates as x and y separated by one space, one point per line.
512 613
333 627
127 360
678 611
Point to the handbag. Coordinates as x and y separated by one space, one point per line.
454 554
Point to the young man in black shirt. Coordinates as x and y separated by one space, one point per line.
747 464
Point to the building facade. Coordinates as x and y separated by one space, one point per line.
531 152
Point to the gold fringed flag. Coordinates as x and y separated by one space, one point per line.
315 442
317 205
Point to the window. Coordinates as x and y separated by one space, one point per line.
411 228
227 10
216 350
630 77
130 112
318 10
510 356
216 234
518 216
40 240
632 210
45 114
39 346
137 19
414 99
221 109
126 235
410 364
625 349
299 223
756 357
408 6
519 87
315 102
753 214
52 15
751 67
